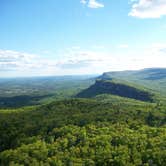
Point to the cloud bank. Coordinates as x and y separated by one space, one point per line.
78 61
23 63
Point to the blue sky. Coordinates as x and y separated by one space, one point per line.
65 37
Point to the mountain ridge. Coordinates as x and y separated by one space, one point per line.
151 78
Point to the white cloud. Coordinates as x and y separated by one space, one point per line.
18 62
92 4
98 47
84 62
159 47
80 58
95 4
78 61
76 47
148 9
83 1
12 60
150 56
123 46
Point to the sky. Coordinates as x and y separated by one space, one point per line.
73 37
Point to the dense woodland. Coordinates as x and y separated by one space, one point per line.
105 129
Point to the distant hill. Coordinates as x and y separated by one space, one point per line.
152 78
116 88
146 74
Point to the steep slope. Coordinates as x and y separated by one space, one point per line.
116 88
